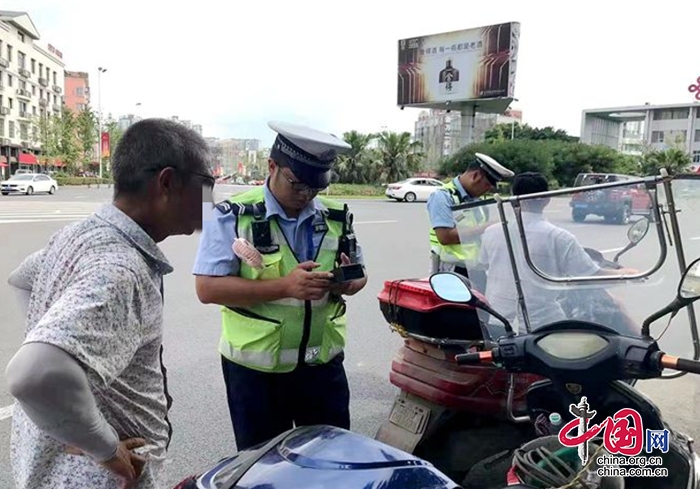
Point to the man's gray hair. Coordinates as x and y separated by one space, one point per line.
151 145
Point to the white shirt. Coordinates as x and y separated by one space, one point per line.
553 250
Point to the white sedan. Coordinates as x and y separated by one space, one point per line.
28 183
413 189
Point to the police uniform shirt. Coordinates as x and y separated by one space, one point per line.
440 203
215 255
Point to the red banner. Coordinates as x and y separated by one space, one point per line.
105 144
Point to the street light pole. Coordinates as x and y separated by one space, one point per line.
100 70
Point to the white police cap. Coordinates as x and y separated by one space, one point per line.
307 152
493 169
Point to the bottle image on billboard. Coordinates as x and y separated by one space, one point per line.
448 78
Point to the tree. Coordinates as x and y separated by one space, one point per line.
674 160
48 134
356 165
502 132
86 132
67 140
399 155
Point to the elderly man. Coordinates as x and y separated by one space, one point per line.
89 380
283 316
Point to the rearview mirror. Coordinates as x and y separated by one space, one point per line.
450 287
638 230
635 234
689 288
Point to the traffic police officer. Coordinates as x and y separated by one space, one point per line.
283 320
447 253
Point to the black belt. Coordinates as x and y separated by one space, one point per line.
461 271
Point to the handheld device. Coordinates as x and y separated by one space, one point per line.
346 273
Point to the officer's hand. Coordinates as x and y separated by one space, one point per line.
343 288
307 285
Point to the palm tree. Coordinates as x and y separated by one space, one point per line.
400 156
674 160
352 167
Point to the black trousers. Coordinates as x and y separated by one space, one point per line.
262 405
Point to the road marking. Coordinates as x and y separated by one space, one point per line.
375 222
6 412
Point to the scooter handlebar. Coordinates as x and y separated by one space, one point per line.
682 364
474 358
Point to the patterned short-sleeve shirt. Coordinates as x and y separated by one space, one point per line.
97 294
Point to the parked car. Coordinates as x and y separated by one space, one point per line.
28 183
613 204
413 189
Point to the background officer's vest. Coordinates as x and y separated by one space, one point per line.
464 253
276 336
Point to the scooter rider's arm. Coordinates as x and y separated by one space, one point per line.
52 389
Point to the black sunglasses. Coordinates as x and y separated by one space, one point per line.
300 186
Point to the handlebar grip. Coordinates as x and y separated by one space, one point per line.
474 358
682 364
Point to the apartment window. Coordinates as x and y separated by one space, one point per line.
22 84
698 112
34 109
24 131
22 59
9 53
33 89
697 135
80 92
48 73
41 93
9 80
23 106
696 156
669 114
41 70
12 129
677 136
10 104
54 78
657 136
21 36
2 128
33 66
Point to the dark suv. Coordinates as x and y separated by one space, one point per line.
614 204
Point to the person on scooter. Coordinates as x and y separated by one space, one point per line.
283 316
553 249
447 253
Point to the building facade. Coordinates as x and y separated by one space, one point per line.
77 90
635 129
31 86
440 132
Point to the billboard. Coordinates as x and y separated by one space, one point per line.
460 68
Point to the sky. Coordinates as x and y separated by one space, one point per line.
234 66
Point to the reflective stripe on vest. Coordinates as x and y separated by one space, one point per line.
464 253
272 336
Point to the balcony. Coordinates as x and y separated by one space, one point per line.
6 141
25 115
56 107
24 73
22 93
44 82
4 63
4 111
43 102
57 89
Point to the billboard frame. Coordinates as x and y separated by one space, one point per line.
463 105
